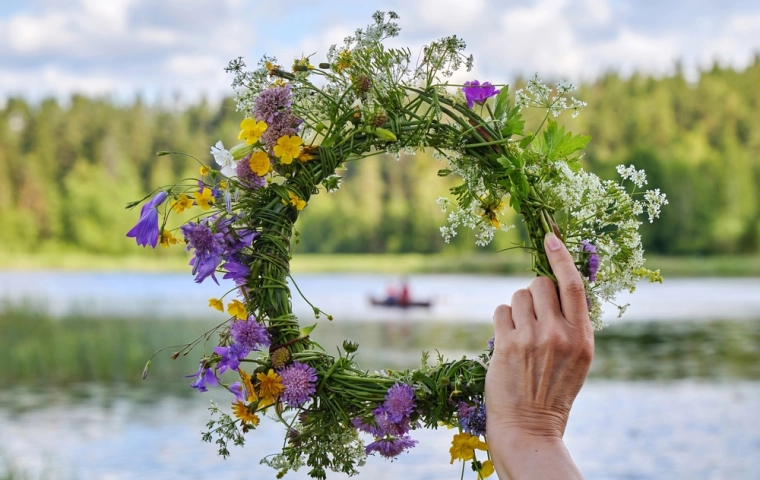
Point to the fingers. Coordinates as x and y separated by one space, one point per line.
571 290
523 313
502 323
545 299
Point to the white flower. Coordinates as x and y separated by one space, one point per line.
224 159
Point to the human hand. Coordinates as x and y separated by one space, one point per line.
543 348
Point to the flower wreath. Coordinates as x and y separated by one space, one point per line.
370 99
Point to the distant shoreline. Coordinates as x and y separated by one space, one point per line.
506 263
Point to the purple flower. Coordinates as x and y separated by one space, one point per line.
473 418
250 334
390 447
208 249
202 377
298 380
386 426
592 264
474 92
399 402
146 230
236 271
273 106
237 389
246 175
490 343
231 357
361 425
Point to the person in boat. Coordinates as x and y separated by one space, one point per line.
404 298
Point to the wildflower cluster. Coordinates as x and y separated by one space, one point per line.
301 123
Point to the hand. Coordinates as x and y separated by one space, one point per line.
543 348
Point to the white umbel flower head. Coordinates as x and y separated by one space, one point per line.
224 159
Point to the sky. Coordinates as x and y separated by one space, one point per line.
170 49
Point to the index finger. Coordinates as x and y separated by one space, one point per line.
572 292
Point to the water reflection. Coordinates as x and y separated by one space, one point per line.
666 400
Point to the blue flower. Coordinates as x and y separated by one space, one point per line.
146 230
204 376
231 357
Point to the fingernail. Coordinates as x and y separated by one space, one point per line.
552 242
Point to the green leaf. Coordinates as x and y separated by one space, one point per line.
305 331
556 144
501 105
526 141
514 124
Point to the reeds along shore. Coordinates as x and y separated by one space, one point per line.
39 351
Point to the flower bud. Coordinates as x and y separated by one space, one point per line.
324 65
386 135
280 357
350 347
241 150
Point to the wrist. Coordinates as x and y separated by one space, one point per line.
520 454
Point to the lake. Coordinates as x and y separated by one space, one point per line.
674 390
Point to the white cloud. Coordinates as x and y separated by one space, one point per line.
125 46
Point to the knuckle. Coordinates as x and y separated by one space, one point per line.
574 286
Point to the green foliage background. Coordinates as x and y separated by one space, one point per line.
66 171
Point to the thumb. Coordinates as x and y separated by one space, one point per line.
572 292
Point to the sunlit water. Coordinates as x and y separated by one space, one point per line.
671 399
345 296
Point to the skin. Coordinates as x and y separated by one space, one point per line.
543 348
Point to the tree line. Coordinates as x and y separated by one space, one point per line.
67 170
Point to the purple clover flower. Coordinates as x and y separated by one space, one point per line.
231 357
146 229
299 381
250 334
208 249
399 402
273 106
592 264
390 447
202 377
474 92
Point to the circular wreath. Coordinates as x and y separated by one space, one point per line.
303 123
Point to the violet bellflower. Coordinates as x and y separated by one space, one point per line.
231 357
204 376
475 92
146 229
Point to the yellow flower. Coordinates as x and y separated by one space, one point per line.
242 412
182 203
168 239
216 304
288 147
463 446
223 185
260 164
204 170
486 470
204 198
237 310
270 386
251 130
295 201
306 154
248 385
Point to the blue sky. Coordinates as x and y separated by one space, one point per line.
161 47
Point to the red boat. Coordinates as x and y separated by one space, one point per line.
395 302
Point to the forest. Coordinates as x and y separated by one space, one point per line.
67 169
